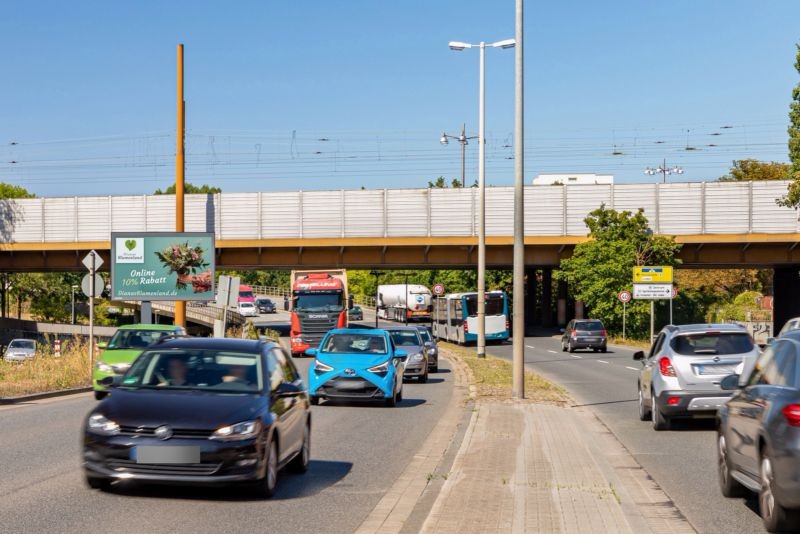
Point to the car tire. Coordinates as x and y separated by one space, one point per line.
299 463
100 395
660 421
776 518
102 484
424 378
400 395
729 486
314 400
603 350
391 402
563 347
570 348
435 368
266 486
644 413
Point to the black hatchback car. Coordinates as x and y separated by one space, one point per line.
584 334
266 306
758 437
201 411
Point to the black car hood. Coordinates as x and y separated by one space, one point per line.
180 409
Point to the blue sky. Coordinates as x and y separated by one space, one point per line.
319 95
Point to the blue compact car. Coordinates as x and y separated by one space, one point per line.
353 364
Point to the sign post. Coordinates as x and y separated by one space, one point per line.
92 262
625 298
653 283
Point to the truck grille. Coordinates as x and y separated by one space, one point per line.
313 330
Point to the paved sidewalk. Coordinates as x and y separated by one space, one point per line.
538 468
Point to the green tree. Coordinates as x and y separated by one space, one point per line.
49 294
190 189
792 198
14 191
601 267
441 183
746 170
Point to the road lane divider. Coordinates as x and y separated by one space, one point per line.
576 356
552 351
602 361
631 368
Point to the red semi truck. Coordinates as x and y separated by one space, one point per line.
319 304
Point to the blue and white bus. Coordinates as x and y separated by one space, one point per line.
455 317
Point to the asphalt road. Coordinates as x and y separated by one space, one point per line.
357 452
682 461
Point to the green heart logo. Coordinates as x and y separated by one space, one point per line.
130 244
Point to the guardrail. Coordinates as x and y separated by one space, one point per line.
201 313
279 292
675 209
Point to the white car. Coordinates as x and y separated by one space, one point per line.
20 350
248 309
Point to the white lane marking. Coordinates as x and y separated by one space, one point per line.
576 356
530 346
631 368
552 352
602 361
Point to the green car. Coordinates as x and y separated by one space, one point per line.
127 343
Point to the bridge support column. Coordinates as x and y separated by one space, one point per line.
786 288
146 312
547 297
531 292
562 303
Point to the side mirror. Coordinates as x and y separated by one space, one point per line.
286 389
638 355
311 352
729 383
400 353
561 330
102 344
111 381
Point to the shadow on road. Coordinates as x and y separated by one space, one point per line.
405 403
321 474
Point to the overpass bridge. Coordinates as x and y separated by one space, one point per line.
720 224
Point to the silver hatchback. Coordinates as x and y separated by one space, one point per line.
680 376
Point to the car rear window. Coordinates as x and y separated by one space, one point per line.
712 343
594 326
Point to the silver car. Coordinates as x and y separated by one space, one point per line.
408 339
680 376
20 350
432 348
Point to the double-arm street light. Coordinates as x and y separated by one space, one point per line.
459 46
464 141
663 170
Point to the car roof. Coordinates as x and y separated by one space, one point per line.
791 334
212 343
372 331
722 327
401 329
158 327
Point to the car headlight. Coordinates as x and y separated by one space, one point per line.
381 369
103 367
320 367
417 357
239 431
431 351
99 424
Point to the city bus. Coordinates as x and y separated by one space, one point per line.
455 317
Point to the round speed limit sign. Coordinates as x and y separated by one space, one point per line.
438 289
624 296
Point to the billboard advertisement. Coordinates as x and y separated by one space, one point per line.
162 266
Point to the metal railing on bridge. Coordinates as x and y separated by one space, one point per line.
675 209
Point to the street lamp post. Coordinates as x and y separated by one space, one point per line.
73 303
377 275
663 170
459 46
463 141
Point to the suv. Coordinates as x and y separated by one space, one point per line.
681 374
584 334
125 346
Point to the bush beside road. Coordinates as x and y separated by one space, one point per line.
46 372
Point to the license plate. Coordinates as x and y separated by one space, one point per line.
166 454
592 340
715 369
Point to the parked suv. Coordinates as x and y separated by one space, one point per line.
584 334
681 374
758 435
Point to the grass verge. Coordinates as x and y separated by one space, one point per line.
493 378
45 372
628 342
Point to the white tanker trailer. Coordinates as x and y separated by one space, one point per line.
397 304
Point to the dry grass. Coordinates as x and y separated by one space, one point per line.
45 372
628 342
493 378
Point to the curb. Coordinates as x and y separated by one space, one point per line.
45 395
397 504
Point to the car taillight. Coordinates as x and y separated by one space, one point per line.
665 366
466 327
792 414
508 325
574 333
604 333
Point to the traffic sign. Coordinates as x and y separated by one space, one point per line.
652 275
652 291
624 296
87 260
438 289
86 285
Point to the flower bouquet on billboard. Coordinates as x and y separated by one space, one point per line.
187 262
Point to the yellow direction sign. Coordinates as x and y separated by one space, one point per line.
652 275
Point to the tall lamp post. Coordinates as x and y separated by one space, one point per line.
663 170
459 46
73 303
463 141
377 275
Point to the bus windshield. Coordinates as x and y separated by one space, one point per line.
494 305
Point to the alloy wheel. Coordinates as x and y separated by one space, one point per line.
766 499
272 467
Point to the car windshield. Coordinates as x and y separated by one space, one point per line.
318 302
592 326
135 339
712 343
355 343
210 370
426 336
246 294
22 344
262 302
405 338
494 305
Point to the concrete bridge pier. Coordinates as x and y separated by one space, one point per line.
541 309
786 289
